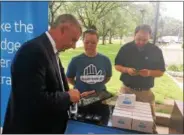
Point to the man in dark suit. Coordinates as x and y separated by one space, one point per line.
40 95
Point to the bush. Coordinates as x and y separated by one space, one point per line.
181 68
178 68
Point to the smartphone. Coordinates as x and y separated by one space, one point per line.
137 71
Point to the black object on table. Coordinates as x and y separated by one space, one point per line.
91 110
97 118
92 105
88 118
97 97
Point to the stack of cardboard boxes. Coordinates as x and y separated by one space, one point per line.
130 114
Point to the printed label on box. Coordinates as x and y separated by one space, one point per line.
121 120
126 99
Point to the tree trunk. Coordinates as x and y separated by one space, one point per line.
121 38
52 19
110 37
103 40
103 33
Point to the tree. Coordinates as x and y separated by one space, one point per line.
172 27
116 19
54 7
112 22
89 13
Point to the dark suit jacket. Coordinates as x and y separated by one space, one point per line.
37 103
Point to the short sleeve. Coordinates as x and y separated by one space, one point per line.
120 58
71 71
161 62
109 68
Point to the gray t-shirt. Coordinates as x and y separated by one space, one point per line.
90 72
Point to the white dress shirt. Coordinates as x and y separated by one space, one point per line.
57 57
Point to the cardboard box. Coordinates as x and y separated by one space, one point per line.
145 105
142 124
142 111
147 109
126 100
142 103
142 115
123 112
124 108
143 120
142 129
121 120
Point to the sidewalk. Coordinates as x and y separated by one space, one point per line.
172 46
180 84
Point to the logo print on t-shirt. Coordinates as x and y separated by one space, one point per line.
91 75
146 58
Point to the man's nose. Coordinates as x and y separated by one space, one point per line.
90 44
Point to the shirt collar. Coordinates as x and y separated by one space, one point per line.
140 49
52 42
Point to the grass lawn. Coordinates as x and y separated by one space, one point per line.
165 87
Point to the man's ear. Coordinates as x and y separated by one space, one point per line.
64 27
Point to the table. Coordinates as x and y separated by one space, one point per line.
77 127
82 127
177 119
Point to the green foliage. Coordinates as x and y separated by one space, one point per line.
178 68
116 19
163 111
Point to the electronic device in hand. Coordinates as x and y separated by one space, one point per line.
137 71
98 96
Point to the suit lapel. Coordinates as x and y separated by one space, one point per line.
52 56
65 83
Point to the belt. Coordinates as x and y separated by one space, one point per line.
138 89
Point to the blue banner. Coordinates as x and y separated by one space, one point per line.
20 21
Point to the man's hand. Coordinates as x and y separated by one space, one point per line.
74 95
84 94
122 69
144 72
131 71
